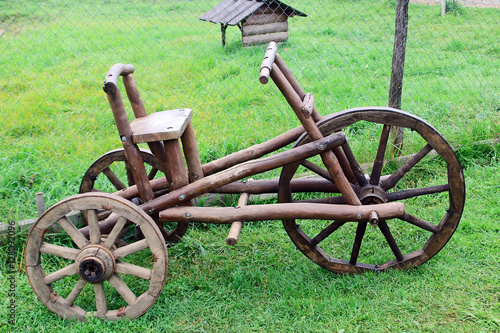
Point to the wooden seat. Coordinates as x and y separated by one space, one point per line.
160 126
162 131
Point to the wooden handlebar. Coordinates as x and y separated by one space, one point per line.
267 63
111 80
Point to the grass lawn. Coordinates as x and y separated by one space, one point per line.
265 284
55 121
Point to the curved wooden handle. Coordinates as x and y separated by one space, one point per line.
111 80
267 63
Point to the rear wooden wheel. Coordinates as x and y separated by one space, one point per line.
76 276
111 172
424 173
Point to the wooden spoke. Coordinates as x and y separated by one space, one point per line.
390 240
360 233
356 168
126 250
94 263
130 269
128 295
396 176
115 233
75 234
59 251
432 212
152 173
327 232
417 192
60 274
100 299
94 232
420 223
117 183
379 159
317 169
75 292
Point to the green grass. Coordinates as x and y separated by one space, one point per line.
55 121
265 284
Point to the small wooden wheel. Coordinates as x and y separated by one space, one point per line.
76 276
111 172
423 173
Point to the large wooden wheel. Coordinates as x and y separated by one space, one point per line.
76 276
111 172
424 173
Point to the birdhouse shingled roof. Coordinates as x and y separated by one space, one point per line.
231 12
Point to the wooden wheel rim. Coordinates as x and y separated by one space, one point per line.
41 283
447 225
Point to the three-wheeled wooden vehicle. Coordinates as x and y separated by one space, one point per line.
414 198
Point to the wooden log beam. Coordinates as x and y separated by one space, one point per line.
271 37
251 30
282 211
253 152
272 185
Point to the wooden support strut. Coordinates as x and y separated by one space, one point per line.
346 166
234 232
283 211
253 152
191 154
140 111
131 150
329 159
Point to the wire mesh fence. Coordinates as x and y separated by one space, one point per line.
55 119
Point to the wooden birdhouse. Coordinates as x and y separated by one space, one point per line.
260 21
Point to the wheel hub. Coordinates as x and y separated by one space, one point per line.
372 195
95 263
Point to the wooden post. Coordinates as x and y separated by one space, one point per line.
223 28
398 61
234 232
191 153
40 203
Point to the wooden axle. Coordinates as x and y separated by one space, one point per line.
283 211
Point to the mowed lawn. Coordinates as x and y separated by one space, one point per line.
55 121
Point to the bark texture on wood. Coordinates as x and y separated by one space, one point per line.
270 37
225 215
398 61
251 30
